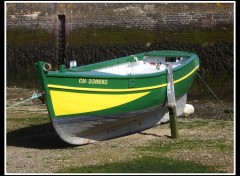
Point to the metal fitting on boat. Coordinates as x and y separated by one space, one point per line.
73 64
135 58
158 65
47 67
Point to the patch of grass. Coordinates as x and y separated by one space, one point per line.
31 119
220 124
19 123
193 124
183 144
200 123
145 165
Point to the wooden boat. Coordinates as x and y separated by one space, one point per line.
114 98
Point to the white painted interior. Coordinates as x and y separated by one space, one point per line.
145 66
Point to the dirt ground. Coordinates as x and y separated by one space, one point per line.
32 146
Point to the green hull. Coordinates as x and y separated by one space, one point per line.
83 92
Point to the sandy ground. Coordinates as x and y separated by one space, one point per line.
36 148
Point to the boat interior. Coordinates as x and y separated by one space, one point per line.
149 64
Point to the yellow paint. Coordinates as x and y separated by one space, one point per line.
121 90
187 75
65 103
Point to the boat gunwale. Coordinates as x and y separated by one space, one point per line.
121 90
94 74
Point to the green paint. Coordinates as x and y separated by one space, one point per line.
145 164
24 38
153 86
155 97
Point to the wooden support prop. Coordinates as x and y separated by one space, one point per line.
172 103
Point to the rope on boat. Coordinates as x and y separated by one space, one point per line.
34 96
210 89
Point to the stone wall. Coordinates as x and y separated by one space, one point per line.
102 31
169 16
37 23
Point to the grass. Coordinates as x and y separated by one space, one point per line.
19 120
195 124
165 155
145 165
204 146
35 119
184 144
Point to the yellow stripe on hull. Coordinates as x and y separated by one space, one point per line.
65 103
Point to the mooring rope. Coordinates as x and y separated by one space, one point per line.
210 89
34 96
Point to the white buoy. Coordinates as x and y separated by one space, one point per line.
189 109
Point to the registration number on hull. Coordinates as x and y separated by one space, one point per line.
92 81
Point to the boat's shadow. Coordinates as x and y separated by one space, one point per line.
155 135
41 136
150 134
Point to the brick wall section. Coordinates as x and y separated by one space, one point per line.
32 32
168 16
30 15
